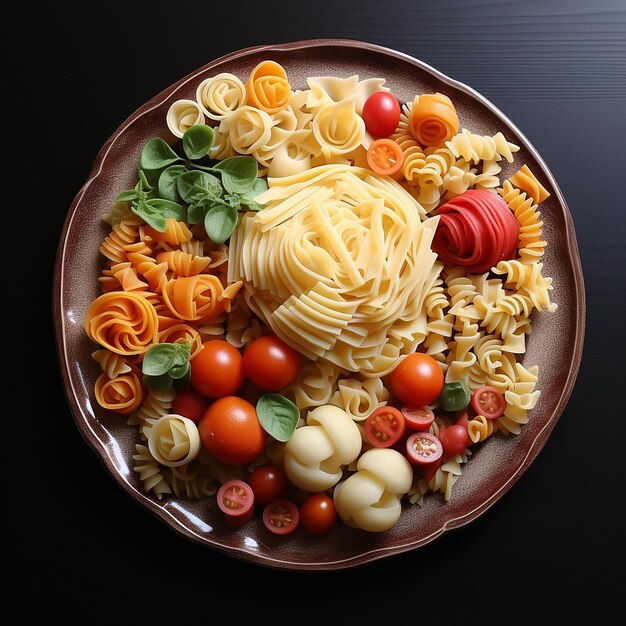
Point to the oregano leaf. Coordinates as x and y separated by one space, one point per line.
238 173
167 182
157 154
197 141
220 221
159 359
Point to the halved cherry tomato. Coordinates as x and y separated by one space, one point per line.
423 448
419 418
488 401
385 157
455 440
381 114
281 516
417 379
318 514
268 483
235 499
270 363
384 426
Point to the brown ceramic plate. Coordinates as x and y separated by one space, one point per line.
495 466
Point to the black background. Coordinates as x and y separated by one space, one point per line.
74 545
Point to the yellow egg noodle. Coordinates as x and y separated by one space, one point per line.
338 264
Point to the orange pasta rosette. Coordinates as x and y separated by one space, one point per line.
433 119
123 322
268 88
201 297
123 394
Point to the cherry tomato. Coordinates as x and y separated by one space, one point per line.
235 498
281 516
268 483
385 157
488 401
217 370
384 426
417 380
462 418
381 114
455 440
419 418
318 514
423 448
230 431
190 403
270 363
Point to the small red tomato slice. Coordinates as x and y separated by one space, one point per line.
235 499
488 401
384 426
419 418
281 516
385 157
423 448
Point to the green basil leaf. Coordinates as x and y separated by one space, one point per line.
167 182
167 208
238 173
454 396
220 221
232 200
183 352
158 383
150 216
157 154
127 196
143 184
195 183
159 359
197 141
278 415
249 198
182 383
179 371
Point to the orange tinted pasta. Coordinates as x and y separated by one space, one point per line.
268 88
122 394
200 297
123 322
174 234
433 120
182 333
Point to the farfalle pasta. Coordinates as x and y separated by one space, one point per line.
353 269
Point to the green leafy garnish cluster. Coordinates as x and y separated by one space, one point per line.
193 188
167 365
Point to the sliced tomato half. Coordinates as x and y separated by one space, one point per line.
384 426
281 516
418 418
488 401
384 156
423 448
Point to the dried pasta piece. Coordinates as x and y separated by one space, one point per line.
247 128
174 234
525 180
112 364
149 472
122 394
433 120
475 148
123 322
220 95
122 234
359 398
338 128
268 88
183 263
174 440
480 428
155 405
198 298
182 115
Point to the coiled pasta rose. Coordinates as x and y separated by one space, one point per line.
123 322
433 119
122 394
476 230
268 88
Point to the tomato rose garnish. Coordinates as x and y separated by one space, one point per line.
476 230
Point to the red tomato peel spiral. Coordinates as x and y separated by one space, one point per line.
476 230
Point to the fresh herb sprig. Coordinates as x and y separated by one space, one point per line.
193 188
167 365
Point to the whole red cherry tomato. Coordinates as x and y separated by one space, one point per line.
381 114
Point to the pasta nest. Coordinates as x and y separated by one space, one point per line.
339 264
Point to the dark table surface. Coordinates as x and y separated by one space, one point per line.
74 545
